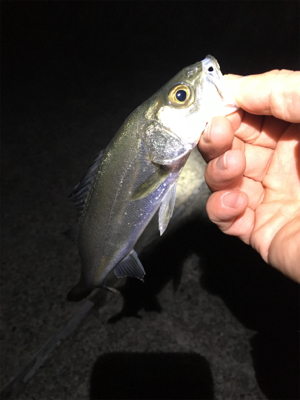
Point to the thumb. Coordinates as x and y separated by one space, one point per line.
274 93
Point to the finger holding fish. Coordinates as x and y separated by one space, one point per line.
226 171
216 139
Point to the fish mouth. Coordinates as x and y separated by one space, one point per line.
216 77
217 83
224 91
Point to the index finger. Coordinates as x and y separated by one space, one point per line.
274 93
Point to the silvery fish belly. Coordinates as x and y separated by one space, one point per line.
138 171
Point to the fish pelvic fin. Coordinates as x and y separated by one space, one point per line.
78 292
111 289
130 266
150 184
166 208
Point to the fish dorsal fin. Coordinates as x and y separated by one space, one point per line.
150 184
130 266
166 208
81 190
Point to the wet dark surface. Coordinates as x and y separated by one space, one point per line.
209 307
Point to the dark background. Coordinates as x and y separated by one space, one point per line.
71 73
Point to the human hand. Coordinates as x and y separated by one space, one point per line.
253 167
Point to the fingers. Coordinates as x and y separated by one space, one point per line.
272 93
282 179
216 139
258 160
284 251
262 131
229 158
219 146
247 149
226 171
229 211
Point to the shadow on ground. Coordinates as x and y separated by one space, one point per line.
261 298
143 376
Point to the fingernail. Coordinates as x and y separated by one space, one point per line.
231 199
207 131
221 162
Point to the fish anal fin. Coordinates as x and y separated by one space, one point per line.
166 208
150 184
130 266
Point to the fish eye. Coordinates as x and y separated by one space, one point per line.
210 69
180 95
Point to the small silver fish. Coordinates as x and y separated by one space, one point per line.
138 172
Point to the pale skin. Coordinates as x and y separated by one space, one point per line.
253 169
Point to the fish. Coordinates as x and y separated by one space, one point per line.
136 175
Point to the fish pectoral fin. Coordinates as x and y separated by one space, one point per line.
130 266
166 208
150 184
